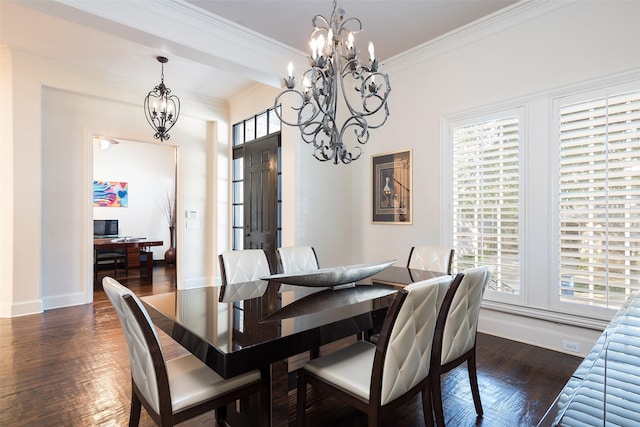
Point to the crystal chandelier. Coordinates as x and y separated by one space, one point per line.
337 78
161 108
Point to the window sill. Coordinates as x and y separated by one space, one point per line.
596 324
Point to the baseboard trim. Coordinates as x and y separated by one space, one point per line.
538 332
21 309
61 301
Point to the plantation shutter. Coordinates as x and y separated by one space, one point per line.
486 198
599 200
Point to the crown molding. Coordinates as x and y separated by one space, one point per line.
511 16
52 72
195 34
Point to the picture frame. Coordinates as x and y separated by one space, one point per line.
391 183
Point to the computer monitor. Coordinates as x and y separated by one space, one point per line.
105 227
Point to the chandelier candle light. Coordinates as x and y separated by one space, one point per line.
334 69
161 108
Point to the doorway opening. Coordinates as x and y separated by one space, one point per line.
256 185
134 192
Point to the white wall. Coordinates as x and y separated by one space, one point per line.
557 45
50 126
316 195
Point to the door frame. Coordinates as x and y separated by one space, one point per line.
88 273
277 173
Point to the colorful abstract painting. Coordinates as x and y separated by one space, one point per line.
110 194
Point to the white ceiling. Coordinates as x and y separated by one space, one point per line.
393 25
212 45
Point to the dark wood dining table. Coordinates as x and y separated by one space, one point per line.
242 327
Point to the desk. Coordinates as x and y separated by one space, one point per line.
257 325
131 246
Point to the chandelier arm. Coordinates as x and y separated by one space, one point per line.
385 116
310 133
358 123
325 95
344 26
298 109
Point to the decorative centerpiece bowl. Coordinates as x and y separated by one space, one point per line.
331 277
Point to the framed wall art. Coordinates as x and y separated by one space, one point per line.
391 188
110 194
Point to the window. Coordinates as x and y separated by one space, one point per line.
237 202
598 198
486 197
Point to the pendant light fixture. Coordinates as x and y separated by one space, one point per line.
161 108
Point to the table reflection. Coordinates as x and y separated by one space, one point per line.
242 291
221 329
240 327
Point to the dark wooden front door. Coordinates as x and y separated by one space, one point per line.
260 196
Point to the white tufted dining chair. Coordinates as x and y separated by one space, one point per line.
377 378
293 259
431 258
243 266
175 390
455 340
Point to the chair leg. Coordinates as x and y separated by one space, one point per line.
374 420
427 409
473 380
136 407
150 266
264 398
221 413
436 397
301 399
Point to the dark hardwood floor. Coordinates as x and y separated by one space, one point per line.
69 367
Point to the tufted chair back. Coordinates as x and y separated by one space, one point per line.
243 266
408 353
432 258
294 259
143 371
462 322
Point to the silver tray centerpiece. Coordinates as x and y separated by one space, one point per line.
331 277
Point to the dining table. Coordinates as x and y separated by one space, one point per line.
260 324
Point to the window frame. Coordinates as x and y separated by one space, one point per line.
557 102
475 117
272 126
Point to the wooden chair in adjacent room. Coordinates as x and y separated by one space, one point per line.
175 390
378 378
455 337
112 257
431 258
